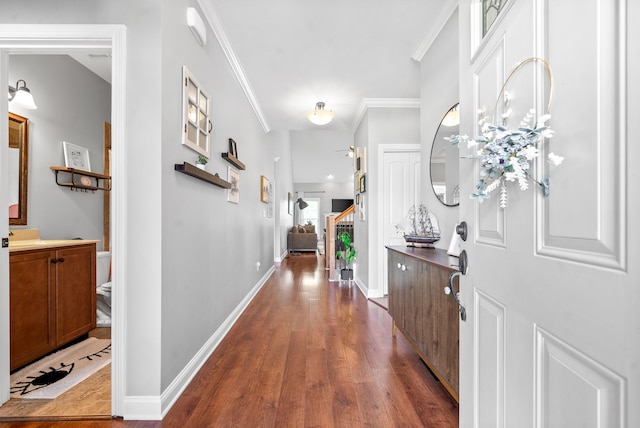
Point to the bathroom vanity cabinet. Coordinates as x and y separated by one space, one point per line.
427 316
52 296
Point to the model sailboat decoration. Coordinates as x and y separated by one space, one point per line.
421 227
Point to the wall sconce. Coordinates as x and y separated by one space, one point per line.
319 115
21 96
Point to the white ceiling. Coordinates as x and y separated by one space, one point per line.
290 54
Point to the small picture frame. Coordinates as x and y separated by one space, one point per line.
233 148
290 203
76 157
233 193
264 189
363 183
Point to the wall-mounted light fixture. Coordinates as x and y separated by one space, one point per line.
319 115
196 25
21 96
452 118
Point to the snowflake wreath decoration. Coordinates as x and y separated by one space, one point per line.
506 154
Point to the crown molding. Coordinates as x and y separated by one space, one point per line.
447 11
368 103
218 30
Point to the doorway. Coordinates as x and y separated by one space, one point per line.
44 39
400 166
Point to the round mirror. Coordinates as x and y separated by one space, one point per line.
445 160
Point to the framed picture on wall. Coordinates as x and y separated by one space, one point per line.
233 193
76 157
265 185
363 183
290 203
233 148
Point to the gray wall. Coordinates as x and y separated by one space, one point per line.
380 126
438 93
73 104
190 255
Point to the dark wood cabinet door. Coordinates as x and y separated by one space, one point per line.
412 283
396 305
76 292
32 306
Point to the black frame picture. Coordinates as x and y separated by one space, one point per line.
233 148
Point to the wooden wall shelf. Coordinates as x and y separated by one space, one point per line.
192 170
233 160
78 179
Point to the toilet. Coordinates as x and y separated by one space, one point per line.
103 289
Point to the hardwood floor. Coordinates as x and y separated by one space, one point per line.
307 353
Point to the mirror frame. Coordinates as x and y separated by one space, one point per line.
19 139
433 146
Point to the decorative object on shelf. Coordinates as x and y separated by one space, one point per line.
20 96
196 115
347 255
76 157
320 116
233 148
232 155
187 168
201 162
264 189
233 194
507 153
420 227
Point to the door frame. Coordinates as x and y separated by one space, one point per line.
63 39
382 252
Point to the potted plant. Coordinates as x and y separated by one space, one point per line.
201 162
348 255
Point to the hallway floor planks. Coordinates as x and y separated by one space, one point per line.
309 353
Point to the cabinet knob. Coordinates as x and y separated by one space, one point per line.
399 265
403 267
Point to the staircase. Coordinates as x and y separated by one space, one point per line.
343 222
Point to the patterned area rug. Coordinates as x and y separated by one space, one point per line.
51 376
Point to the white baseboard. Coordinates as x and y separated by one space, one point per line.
156 407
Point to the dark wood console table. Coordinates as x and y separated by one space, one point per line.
422 311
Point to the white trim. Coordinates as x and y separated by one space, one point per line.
445 14
40 39
221 35
368 103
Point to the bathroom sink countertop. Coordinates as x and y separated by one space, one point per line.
37 244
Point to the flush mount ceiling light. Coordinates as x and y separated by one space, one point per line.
319 115
21 96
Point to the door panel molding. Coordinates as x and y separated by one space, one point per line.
487 74
574 390
489 360
572 224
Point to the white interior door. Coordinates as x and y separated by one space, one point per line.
552 336
401 189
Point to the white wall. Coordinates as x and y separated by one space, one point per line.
73 104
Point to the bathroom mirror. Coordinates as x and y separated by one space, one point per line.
445 160
18 168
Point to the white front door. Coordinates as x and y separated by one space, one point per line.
552 335
401 189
